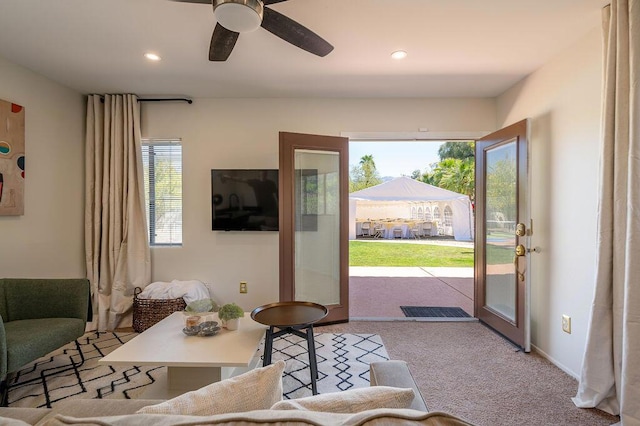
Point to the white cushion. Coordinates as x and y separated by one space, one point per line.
382 417
257 389
351 401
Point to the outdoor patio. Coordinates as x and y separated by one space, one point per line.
378 292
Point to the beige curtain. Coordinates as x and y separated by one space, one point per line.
610 378
116 246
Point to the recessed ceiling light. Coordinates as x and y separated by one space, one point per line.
399 54
152 56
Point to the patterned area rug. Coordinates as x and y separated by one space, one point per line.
343 363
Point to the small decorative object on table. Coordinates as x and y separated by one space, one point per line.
229 315
202 305
192 321
199 311
204 329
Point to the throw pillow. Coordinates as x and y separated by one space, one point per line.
257 389
351 401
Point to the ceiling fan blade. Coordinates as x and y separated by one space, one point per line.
267 2
194 1
222 43
294 33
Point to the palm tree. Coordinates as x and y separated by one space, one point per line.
369 169
455 175
364 175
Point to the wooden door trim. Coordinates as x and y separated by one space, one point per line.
289 142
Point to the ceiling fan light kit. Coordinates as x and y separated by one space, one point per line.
241 16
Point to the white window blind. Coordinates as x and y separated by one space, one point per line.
162 163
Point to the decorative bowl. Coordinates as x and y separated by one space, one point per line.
208 331
191 331
204 329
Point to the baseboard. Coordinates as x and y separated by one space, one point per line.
555 362
416 319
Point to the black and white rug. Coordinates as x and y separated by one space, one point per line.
343 363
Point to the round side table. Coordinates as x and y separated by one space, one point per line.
291 318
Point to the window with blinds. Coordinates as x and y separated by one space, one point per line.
162 163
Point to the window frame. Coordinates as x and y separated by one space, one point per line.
151 194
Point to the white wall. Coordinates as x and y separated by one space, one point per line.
48 240
563 101
243 133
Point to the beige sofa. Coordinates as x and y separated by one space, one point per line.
123 412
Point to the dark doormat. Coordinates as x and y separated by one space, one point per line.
433 311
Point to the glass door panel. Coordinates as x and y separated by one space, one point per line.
317 228
501 216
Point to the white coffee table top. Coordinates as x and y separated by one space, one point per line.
166 344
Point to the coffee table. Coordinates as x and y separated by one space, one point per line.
192 361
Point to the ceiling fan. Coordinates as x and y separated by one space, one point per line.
238 16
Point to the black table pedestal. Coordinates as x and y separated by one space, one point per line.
311 348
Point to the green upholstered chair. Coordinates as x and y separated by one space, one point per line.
38 316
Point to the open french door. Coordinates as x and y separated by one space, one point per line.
314 216
503 228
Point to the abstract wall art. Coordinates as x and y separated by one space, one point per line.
11 159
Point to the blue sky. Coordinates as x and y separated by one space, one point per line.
396 158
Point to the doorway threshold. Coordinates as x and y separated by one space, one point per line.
414 319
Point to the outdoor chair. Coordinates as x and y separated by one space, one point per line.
378 230
397 232
366 229
416 231
426 229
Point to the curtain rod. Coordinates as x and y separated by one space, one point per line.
187 100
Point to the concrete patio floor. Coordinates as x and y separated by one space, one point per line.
377 292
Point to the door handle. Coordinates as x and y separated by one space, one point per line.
520 252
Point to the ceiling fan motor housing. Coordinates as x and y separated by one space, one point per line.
240 16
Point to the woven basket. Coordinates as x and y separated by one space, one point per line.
147 312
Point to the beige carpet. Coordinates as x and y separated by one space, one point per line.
467 370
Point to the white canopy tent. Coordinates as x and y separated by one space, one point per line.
398 197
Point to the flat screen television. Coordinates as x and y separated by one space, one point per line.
244 200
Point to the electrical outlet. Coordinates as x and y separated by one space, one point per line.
566 324
243 286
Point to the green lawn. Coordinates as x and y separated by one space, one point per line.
373 253
497 255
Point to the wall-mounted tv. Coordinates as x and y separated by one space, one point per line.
244 200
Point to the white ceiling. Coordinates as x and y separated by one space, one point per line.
456 47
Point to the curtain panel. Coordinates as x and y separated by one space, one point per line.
116 246
610 377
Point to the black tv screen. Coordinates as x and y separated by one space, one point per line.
244 200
